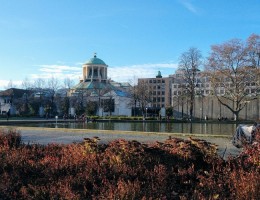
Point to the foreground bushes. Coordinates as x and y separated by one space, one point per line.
175 169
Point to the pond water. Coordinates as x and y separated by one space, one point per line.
194 128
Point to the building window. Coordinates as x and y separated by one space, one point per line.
163 93
158 92
163 81
158 87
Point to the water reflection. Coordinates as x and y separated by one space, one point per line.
196 128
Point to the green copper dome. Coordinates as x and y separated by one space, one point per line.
95 61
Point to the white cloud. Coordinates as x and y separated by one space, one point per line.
128 73
188 5
46 72
58 68
57 71
5 83
117 73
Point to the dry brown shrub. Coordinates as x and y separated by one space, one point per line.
174 169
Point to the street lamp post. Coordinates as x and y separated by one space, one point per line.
146 113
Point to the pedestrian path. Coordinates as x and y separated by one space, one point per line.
41 135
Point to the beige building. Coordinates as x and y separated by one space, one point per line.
206 104
160 90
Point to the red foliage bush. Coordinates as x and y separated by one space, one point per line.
174 169
9 138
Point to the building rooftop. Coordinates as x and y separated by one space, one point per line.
95 61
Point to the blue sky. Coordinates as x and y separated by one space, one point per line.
136 38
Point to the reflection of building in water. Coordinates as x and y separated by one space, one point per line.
96 90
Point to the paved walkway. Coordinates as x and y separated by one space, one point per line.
65 136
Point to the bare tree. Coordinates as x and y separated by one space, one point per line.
66 102
233 74
132 94
10 85
189 64
26 84
253 47
39 84
77 100
180 99
141 95
68 83
38 87
108 100
81 99
53 83
53 86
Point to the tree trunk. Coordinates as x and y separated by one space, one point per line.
236 114
191 107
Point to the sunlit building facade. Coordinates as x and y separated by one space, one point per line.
159 89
